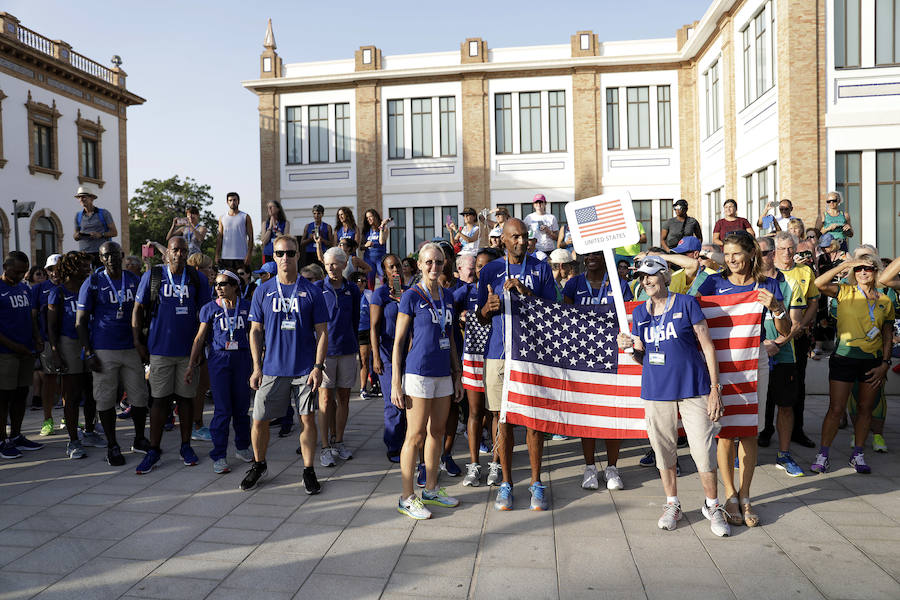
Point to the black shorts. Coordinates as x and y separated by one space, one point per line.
850 370
363 337
784 385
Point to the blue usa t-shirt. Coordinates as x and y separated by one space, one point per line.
388 324
69 300
173 328
465 297
219 317
39 295
581 293
364 318
15 314
425 355
684 374
536 275
289 352
343 316
717 285
101 300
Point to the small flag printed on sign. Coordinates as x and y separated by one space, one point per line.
601 218
602 222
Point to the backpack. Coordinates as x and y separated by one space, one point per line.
100 211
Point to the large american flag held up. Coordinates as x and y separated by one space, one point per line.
564 373
601 218
476 336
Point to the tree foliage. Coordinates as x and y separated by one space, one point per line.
158 201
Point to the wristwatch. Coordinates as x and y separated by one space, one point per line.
319 366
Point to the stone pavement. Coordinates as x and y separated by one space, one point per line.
84 530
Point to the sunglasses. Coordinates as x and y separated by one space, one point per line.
767 252
866 268
221 284
288 253
832 201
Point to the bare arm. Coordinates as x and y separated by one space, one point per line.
383 233
662 239
113 232
714 406
889 277
315 376
250 244
266 234
219 242
690 265
400 333
196 351
375 311
360 265
824 281
257 338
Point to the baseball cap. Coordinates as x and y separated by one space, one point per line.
680 202
496 231
824 242
652 265
687 244
270 267
52 260
538 198
561 256
468 211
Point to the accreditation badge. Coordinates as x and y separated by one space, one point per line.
657 358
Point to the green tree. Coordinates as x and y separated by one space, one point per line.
158 201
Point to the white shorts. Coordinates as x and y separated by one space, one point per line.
340 371
421 386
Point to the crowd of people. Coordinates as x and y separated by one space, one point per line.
331 309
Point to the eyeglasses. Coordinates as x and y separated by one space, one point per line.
866 268
288 253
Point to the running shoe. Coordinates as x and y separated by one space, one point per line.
613 480
9 451
326 457
670 517
220 466
439 497
473 475
649 459
538 496
820 465
94 439
412 507
151 460
125 414
420 476
495 473
717 522
365 396
47 428
140 445
254 474
169 425
342 451
245 455
786 463
74 450
188 455
484 448
504 499
23 443
558 437
590 481
114 456
450 466
201 434
311 482
858 462
878 444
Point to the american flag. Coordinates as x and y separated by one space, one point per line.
476 337
564 373
601 218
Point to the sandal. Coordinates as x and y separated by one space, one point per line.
733 515
751 519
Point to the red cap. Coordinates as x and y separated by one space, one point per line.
538 198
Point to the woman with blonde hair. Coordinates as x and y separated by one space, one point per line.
834 220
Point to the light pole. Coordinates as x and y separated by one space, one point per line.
19 211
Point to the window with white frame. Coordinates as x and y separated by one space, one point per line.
503 123
848 181
294 134
664 116
758 53
747 55
847 34
529 121
342 132
887 32
612 118
557 110
713 106
887 201
421 127
638 99
396 148
714 205
757 189
397 232
447 106
423 225
318 133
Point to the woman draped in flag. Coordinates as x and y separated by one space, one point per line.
743 273
677 380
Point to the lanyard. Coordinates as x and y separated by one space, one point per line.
442 317
603 285
521 269
658 325
293 293
172 283
871 306
120 293
246 289
231 322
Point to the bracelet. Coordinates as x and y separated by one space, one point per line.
319 366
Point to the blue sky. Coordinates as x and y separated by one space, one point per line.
187 58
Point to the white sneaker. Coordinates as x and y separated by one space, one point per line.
495 474
717 523
413 507
326 457
473 475
613 481
220 466
245 455
590 481
670 517
342 451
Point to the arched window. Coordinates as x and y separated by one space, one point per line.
44 240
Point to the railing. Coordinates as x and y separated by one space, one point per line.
83 63
33 39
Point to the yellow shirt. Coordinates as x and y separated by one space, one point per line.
854 322
803 285
633 249
677 285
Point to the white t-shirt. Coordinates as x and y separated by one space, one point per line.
470 247
534 221
783 222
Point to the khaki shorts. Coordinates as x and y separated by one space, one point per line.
421 386
493 383
340 371
124 366
70 351
662 427
167 377
15 371
275 394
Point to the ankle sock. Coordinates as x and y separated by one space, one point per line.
711 502
672 500
857 450
824 451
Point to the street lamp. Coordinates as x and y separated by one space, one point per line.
19 211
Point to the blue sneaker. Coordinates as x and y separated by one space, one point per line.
538 497
151 460
558 437
9 451
189 456
504 497
23 443
649 459
786 463
420 478
125 414
448 464
201 434
169 425
484 448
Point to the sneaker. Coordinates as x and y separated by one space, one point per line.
365 396
558 437
495 473
717 523
590 481
326 457
820 465
287 426
420 476
538 497
125 414
613 481
311 482
74 450
858 462
786 463
649 459
450 466
220 466
670 517
245 455
47 428
169 425
140 445
878 444
342 451
23 443
473 475
114 456
201 434
413 507
188 455
439 497
92 438
504 499
9 451
484 448
151 460
254 474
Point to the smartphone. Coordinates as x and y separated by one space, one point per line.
182 221
396 286
147 251
448 220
